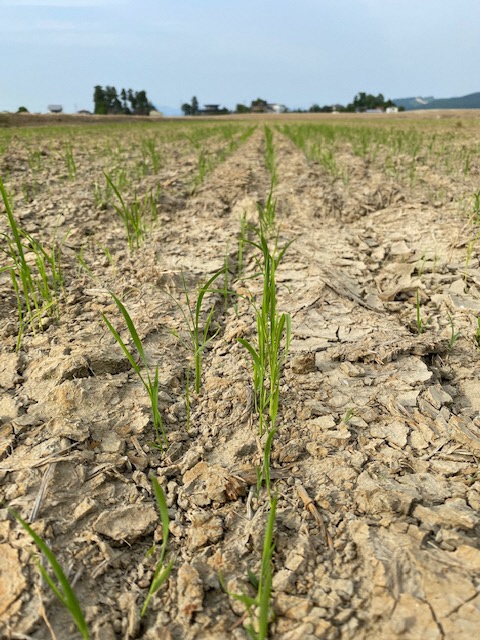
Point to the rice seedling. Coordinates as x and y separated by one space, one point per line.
35 273
267 215
70 161
35 160
203 167
259 607
149 381
162 570
270 156
207 161
454 335
477 333
30 189
83 265
149 150
59 584
199 339
132 216
350 413
273 331
420 322
476 208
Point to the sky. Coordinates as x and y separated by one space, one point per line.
292 52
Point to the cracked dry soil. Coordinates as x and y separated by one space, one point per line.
379 426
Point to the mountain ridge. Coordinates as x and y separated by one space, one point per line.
469 101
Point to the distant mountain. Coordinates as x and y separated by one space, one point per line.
470 101
413 103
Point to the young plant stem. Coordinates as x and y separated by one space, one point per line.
132 216
37 286
421 324
151 384
61 586
162 570
199 339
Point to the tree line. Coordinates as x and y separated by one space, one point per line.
108 101
361 102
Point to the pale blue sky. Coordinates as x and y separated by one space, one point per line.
296 52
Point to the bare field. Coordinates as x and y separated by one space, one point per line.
374 452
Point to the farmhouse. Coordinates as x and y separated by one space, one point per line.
55 108
211 110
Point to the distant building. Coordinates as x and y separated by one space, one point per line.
262 106
391 110
55 108
259 106
276 108
212 110
84 112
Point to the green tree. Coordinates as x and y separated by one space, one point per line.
242 108
195 107
108 101
133 100
364 101
113 103
22 110
144 106
99 101
187 109
123 97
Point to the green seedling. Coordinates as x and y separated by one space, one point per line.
273 331
202 168
265 472
162 570
83 265
421 324
59 584
476 207
454 335
259 608
199 339
106 251
477 333
270 156
267 215
70 161
30 190
151 383
35 161
37 283
351 413
149 150
132 216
